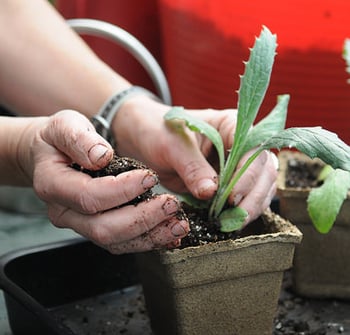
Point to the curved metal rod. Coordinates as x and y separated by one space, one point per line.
129 42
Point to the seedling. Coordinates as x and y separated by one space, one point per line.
324 202
269 133
322 208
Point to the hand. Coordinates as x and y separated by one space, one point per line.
88 205
256 188
188 163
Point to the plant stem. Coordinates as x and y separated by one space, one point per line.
224 192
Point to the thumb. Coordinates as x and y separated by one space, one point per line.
74 135
197 174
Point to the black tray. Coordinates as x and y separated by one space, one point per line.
76 288
55 288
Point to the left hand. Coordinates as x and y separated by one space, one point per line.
96 208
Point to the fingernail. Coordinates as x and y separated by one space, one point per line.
237 199
180 229
246 221
275 160
174 244
149 181
263 157
97 152
206 185
171 207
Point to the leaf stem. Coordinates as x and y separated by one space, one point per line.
224 192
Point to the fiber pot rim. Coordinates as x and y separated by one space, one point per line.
282 231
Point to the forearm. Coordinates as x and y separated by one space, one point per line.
14 156
45 66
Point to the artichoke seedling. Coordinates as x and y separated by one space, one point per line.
269 133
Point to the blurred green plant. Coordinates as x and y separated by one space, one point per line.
346 55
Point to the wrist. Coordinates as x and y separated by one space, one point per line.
105 118
138 121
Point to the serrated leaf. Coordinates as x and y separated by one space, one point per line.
314 142
251 93
324 202
200 126
273 123
254 82
232 219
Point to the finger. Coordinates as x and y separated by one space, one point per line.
257 202
194 169
73 134
190 164
84 194
123 224
167 234
256 198
172 182
261 171
198 176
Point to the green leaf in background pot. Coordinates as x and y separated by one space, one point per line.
326 170
324 202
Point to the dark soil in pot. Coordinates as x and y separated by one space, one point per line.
302 174
203 231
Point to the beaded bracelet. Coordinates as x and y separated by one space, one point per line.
103 119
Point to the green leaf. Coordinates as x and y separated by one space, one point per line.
232 219
254 82
200 126
314 142
326 170
251 93
273 123
189 199
324 202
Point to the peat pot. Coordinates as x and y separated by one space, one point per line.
229 287
322 261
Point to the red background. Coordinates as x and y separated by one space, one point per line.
201 45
